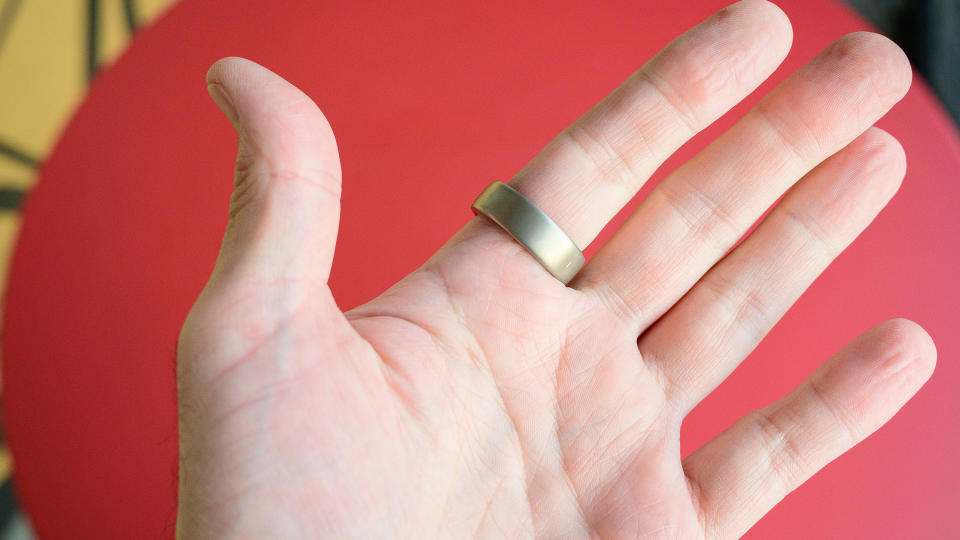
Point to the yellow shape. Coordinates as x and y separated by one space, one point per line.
6 462
114 29
9 228
14 174
114 32
41 72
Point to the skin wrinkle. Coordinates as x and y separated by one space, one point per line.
510 254
588 459
409 321
558 417
455 307
240 362
596 289
245 189
263 396
515 434
666 382
696 494
486 510
431 330
816 141
815 235
448 486
802 140
463 455
638 130
608 487
249 355
568 465
661 278
801 161
612 165
326 181
475 348
253 164
607 490
840 416
240 492
901 362
739 302
391 369
785 459
444 283
611 300
463 440
684 111
635 434
701 224
280 327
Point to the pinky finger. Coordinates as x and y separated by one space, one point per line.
742 473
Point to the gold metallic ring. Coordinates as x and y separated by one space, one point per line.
535 231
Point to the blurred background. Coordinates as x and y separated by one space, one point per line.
52 50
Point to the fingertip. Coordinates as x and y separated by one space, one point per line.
893 59
889 148
884 158
889 64
223 69
895 358
222 77
775 18
912 340
849 189
761 15
214 70
273 116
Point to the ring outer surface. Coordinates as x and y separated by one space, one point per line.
532 228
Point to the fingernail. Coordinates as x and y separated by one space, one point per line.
222 99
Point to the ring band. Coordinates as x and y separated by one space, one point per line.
535 231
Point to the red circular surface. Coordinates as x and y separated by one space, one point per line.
429 102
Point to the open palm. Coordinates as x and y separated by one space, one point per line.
480 396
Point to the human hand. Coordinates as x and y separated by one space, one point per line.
479 396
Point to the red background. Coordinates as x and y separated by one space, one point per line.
429 102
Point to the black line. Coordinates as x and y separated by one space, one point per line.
93 25
8 503
130 14
9 11
11 198
18 155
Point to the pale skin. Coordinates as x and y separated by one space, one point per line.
479 396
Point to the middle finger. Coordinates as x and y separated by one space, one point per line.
700 211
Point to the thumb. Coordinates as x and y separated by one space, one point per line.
285 206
